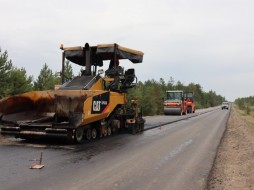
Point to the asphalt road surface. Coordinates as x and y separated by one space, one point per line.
178 155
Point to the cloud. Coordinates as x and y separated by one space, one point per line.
207 42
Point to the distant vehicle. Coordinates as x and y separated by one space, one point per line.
225 105
189 98
174 103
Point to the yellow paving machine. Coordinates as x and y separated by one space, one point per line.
89 105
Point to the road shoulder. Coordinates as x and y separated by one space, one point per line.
234 163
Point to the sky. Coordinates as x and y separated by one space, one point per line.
208 42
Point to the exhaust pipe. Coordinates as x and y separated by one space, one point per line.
88 60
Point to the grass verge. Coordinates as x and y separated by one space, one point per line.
247 118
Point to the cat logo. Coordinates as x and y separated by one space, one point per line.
100 103
96 106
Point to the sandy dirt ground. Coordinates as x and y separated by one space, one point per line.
234 163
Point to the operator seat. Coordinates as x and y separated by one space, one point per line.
129 77
113 72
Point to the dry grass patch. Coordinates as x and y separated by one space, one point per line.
247 118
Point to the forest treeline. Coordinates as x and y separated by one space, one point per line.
15 80
150 93
246 104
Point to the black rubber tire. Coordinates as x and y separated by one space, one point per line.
79 135
105 132
109 131
94 133
89 134
115 130
185 113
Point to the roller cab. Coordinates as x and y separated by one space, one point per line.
190 102
175 103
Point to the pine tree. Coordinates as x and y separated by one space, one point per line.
20 83
45 80
5 68
68 73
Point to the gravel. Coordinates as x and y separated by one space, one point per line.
234 164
